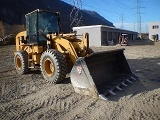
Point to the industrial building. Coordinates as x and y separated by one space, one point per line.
100 35
154 31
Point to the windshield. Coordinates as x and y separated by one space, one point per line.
47 22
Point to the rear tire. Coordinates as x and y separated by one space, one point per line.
21 62
53 66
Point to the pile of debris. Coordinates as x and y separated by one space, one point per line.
7 40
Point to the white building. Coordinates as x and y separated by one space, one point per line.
154 31
100 35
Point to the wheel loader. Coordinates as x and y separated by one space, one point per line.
56 54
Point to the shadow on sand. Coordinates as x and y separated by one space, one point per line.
147 71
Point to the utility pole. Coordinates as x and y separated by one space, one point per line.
122 18
139 25
76 17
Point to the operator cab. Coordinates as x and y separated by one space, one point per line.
40 20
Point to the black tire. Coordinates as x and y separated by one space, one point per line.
53 66
21 62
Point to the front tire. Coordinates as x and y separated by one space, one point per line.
53 66
21 62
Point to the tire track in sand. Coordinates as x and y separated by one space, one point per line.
51 96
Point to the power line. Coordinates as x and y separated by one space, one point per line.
117 10
73 14
102 9
112 8
134 26
122 5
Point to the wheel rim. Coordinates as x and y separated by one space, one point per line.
49 67
18 62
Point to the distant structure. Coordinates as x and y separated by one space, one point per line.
76 15
154 31
101 35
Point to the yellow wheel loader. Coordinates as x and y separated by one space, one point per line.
43 45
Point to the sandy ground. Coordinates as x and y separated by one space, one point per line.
30 97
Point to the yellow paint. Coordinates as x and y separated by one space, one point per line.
67 44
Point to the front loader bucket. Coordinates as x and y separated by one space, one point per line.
101 73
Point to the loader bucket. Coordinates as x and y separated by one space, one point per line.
100 74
